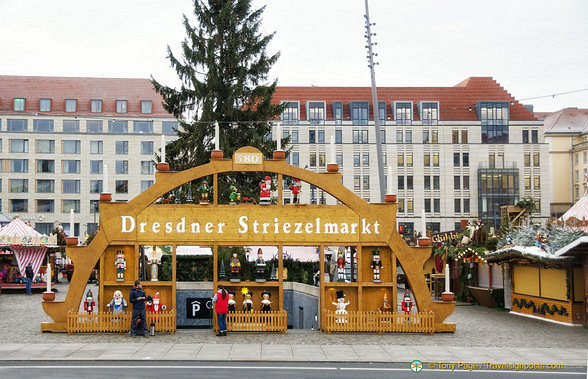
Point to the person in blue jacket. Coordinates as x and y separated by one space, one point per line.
139 318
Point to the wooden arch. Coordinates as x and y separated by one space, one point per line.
143 210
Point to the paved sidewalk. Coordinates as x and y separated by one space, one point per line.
291 353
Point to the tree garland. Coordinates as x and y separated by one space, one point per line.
543 309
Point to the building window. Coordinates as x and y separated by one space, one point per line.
19 165
536 159
169 127
409 160
537 182
400 182
339 158
400 160
70 186
457 205
45 146
94 126
429 112
409 183
356 183
408 136
94 206
464 136
96 167
95 186
360 136
43 126
70 105
527 159
321 136
146 167
401 205
312 159
435 159
45 166
71 126
455 136
121 106
18 205
359 111
143 127
45 186
96 106
45 206
525 136
19 145
366 182
68 205
403 112
455 159
146 106
45 105
456 182
19 104
425 136
534 136
290 115
19 185
428 205
366 159
122 147
427 160
118 127
337 109
17 125
437 205
527 182
356 160
122 186
316 112
122 167
383 136
399 136
312 136
427 183
145 184
338 136
322 159
465 159
434 136
146 147
295 159
70 166
436 184
494 116
466 182
466 205
71 146
410 205
96 147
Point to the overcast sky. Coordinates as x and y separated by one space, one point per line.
532 48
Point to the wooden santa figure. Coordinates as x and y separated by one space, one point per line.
89 303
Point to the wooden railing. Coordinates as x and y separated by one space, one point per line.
360 321
117 323
274 321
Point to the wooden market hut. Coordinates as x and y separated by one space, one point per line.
28 246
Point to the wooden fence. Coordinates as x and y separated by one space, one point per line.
165 321
360 321
274 321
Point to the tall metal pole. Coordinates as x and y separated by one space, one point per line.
375 104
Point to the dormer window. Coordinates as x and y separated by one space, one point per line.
337 109
70 105
359 111
315 112
19 104
45 105
121 106
291 114
402 112
429 112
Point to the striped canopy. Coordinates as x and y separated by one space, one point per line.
28 245
579 211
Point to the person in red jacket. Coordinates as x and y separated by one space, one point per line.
221 307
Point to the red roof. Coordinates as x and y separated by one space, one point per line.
34 88
454 102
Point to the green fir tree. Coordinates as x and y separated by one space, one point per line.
223 69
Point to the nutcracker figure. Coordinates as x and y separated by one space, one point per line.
265 190
406 303
89 303
235 268
121 264
235 196
376 265
154 259
260 266
231 301
295 187
204 190
385 307
247 303
340 266
118 304
265 302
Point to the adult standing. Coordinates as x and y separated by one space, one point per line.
139 318
29 275
221 307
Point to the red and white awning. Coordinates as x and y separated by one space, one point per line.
579 212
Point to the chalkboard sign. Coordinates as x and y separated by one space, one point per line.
198 307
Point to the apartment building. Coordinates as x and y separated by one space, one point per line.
456 152
57 137
566 132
